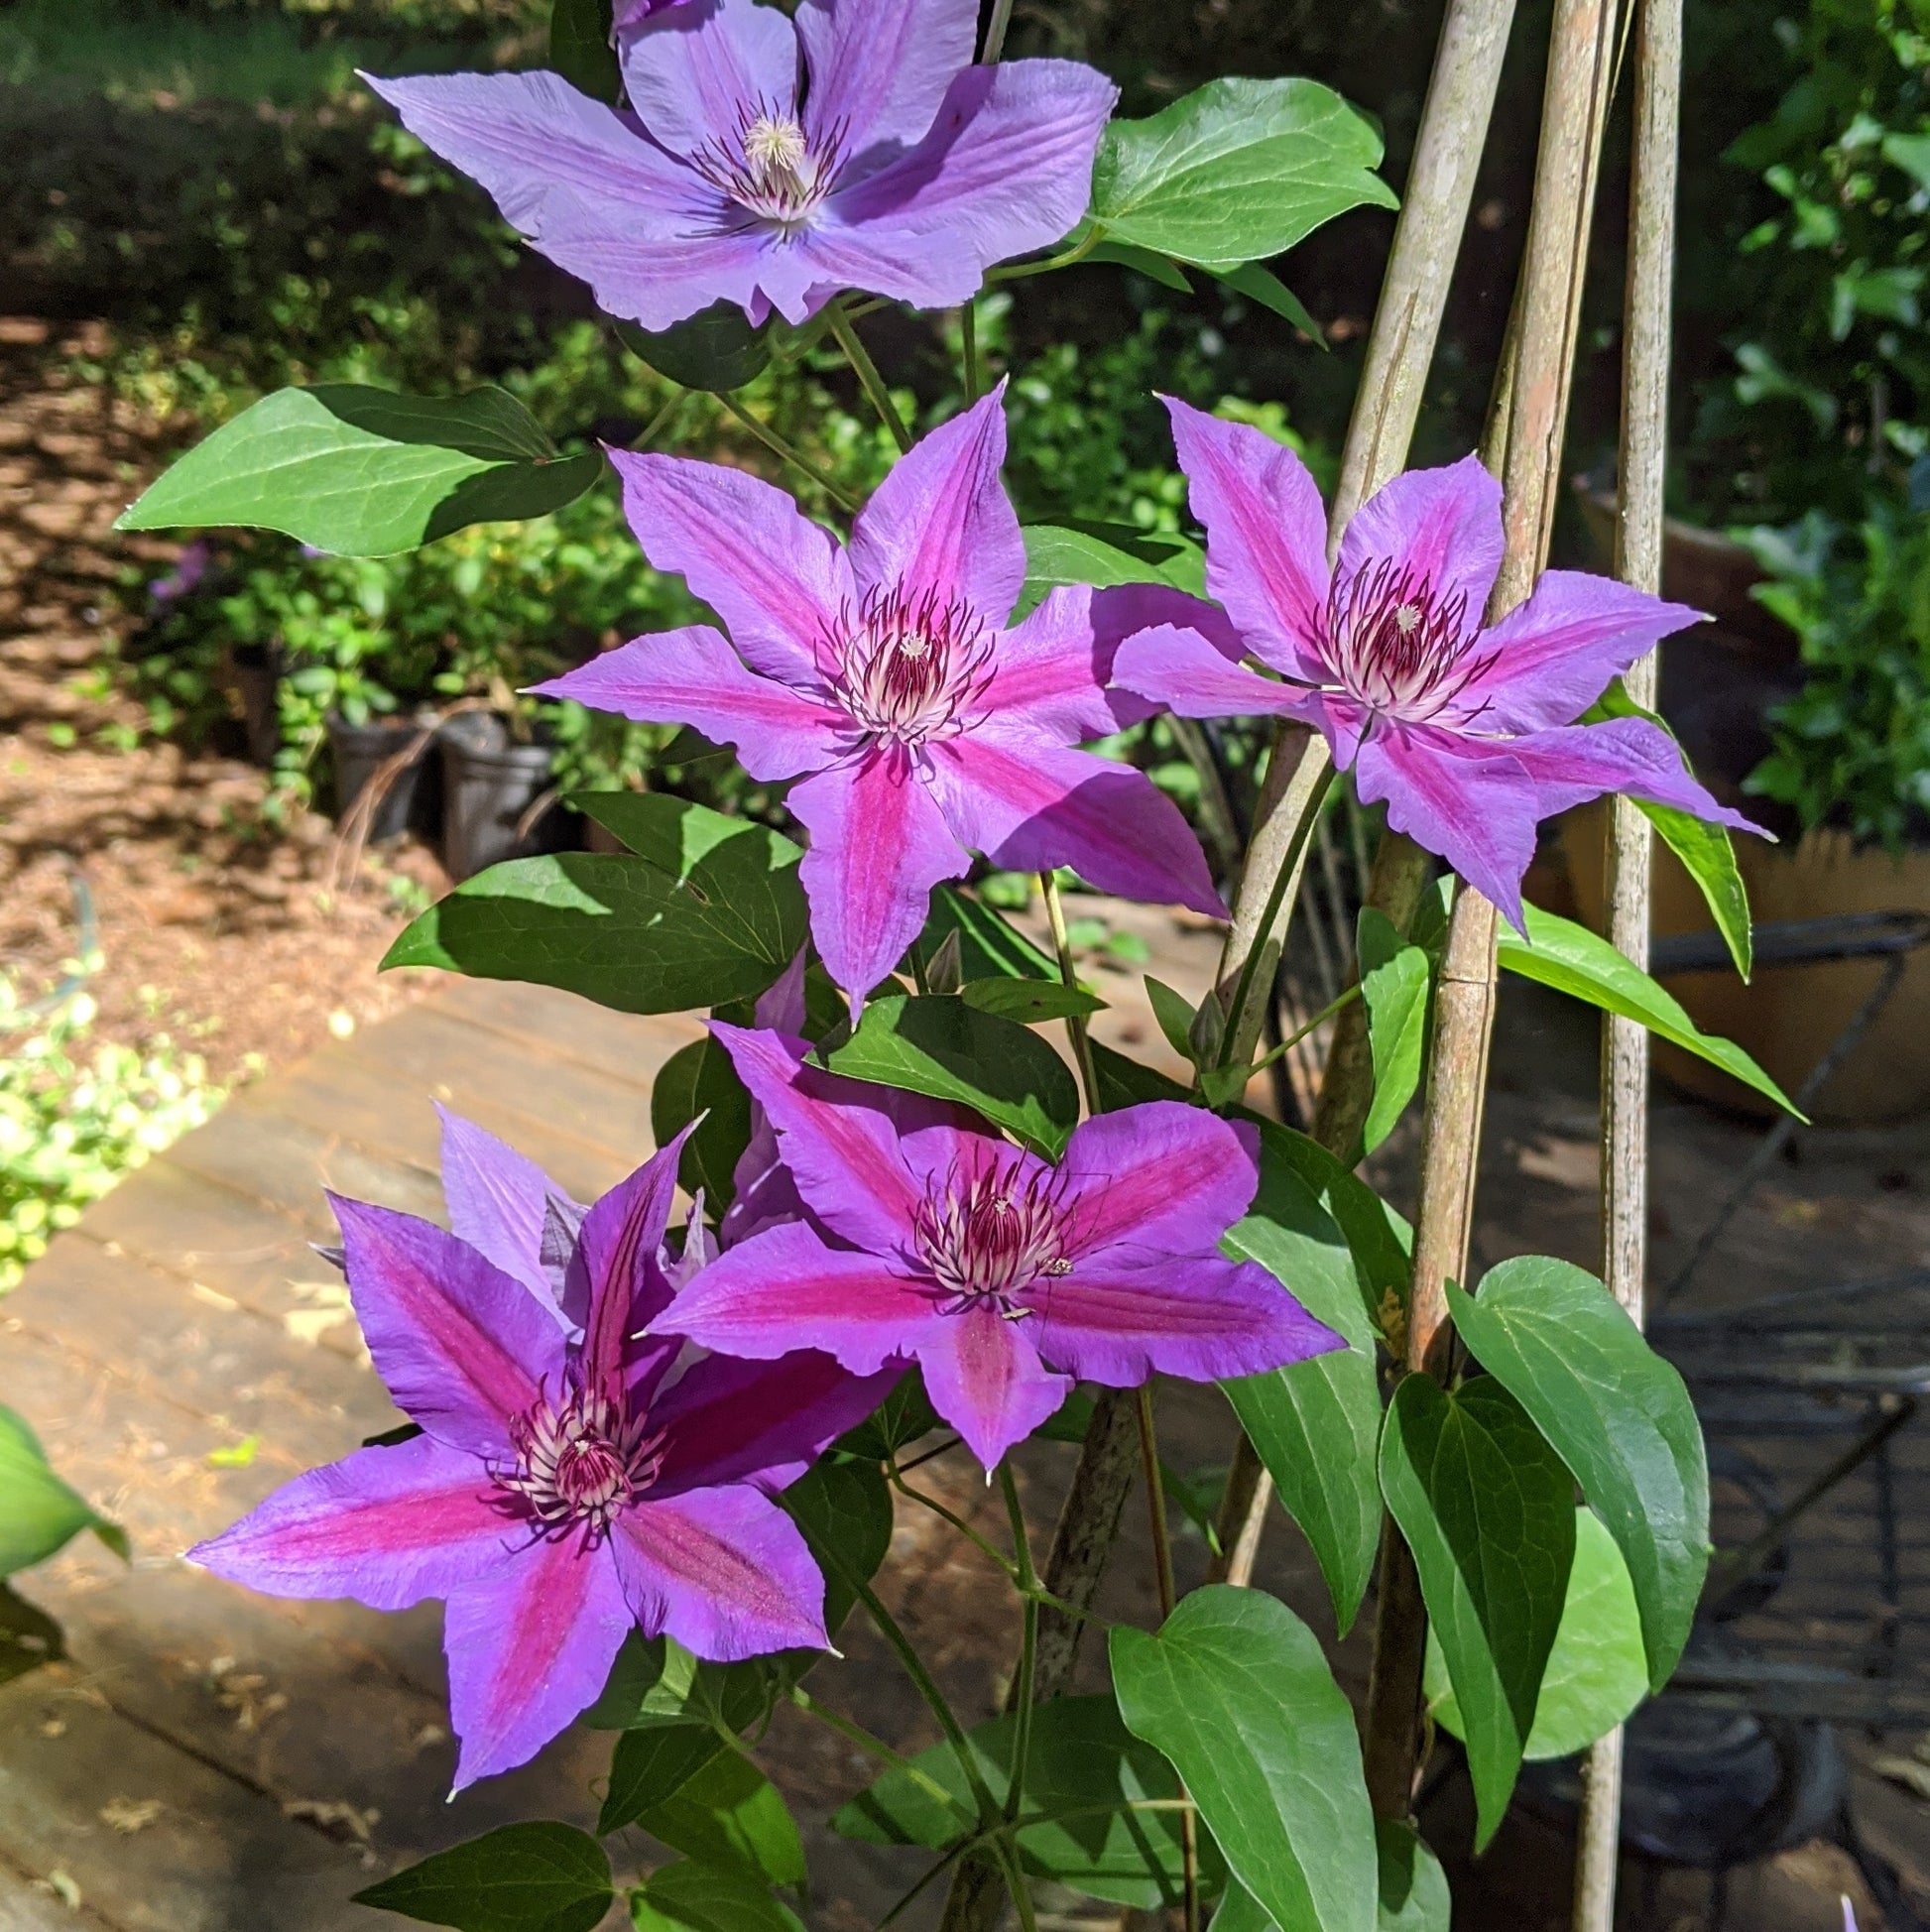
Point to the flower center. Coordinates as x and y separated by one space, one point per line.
991 1240
771 168
905 667
1397 648
580 1462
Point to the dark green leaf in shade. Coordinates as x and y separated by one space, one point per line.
1706 851
656 1682
1235 1691
940 1047
1237 170
580 48
533 1878
691 1897
699 1079
1573 960
728 1813
718 349
1028 1002
902 1417
710 911
1619 1415
844 1510
29 1637
366 472
1597 1672
40 1513
1149 262
1081 1758
651 1765
1069 1421
989 944
1259 283
1488 1511
1414 1889
1125 1082
1315 1423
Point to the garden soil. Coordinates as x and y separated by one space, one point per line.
214 924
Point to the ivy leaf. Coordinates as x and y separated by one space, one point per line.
1597 1671
581 49
940 1047
366 472
1573 960
1237 170
700 1079
708 910
692 1897
40 1513
534 1877
1619 1415
1236 1692
1488 1511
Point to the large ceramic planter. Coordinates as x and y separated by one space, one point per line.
1788 1018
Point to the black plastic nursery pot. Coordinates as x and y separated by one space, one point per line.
489 784
256 673
409 805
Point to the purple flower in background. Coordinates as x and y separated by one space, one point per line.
190 566
562 1489
1007 1278
1467 733
896 166
887 674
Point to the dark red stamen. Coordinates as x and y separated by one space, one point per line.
1398 649
907 667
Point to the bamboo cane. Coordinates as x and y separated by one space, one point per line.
1637 561
1581 60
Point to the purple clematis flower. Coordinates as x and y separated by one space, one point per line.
1006 1277
887 676
562 1489
898 166
1468 734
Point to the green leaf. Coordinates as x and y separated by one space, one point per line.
1081 1758
692 1897
700 1079
1396 996
729 1814
656 1682
1707 853
1488 1511
1105 556
1573 960
366 472
940 1047
1619 1415
1175 1013
1261 285
1597 1672
1235 1691
902 1417
534 1877
29 1637
651 1765
40 1513
844 1510
1028 1002
1146 261
1315 1423
1239 171
708 910
988 943
1414 1889
581 49
718 349
1125 1082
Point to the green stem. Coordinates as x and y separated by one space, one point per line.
658 424
1021 1898
995 34
968 336
793 455
957 1522
1022 1743
944 1861
1075 1023
1263 932
866 370
1018 270
874 1746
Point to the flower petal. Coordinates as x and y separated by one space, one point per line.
879 69
499 1202
700 71
692 676
615 1277
658 271
1443 525
386 1527
1030 805
1160 1175
1627 755
941 525
1179 669
783 1289
777 580
1475 808
878 845
462 1346
1007 167
530 1649
1050 672
1554 655
1124 610
1203 1319
1266 536
734 1421
985 1377
723 1571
